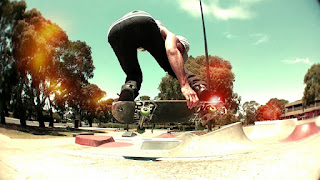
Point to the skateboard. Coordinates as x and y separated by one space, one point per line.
161 111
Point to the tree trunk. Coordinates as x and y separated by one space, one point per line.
196 124
22 118
2 117
19 110
39 109
89 119
40 118
51 118
6 110
51 115
210 126
80 119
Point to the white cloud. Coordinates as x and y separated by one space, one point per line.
260 38
229 35
297 60
193 7
239 10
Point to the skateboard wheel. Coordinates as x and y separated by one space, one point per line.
141 130
212 109
145 111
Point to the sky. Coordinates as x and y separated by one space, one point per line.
270 44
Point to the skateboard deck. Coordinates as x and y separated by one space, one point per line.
160 111
156 111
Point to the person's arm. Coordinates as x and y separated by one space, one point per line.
177 65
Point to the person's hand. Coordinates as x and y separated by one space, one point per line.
191 96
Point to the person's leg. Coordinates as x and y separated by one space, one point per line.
155 45
124 47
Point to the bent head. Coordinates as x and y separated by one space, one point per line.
184 42
183 46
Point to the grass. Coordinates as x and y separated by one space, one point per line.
15 131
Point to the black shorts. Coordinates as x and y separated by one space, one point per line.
130 34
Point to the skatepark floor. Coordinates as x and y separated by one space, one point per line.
233 152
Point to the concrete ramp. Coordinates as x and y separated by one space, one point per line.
272 130
229 139
159 145
303 131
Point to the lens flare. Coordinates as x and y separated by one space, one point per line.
305 128
214 100
49 31
46 39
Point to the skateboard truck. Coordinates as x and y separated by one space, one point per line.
145 113
209 111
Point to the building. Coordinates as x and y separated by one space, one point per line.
296 110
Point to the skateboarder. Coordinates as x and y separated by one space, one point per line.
138 30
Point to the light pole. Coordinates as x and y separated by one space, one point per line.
206 47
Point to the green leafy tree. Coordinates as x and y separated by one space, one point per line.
144 98
91 95
104 110
169 89
75 67
312 81
36 43
234 103
250 111
10 14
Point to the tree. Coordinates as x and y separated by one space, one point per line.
36 43
104 110
75 67
312 89
221 77
144 98
221 85
169 89
91 95
234 103
272 110
250 111
10 14
221 80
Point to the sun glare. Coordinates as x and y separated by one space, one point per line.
46 33
49 31
305 128
39 58
215 100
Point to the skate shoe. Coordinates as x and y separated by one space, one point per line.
129 91
202 92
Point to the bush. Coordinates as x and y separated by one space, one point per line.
180 127
57 117
200 127
117 125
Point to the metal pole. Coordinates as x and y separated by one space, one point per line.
205 46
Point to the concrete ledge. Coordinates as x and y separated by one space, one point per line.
91 140
84 133
129 134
